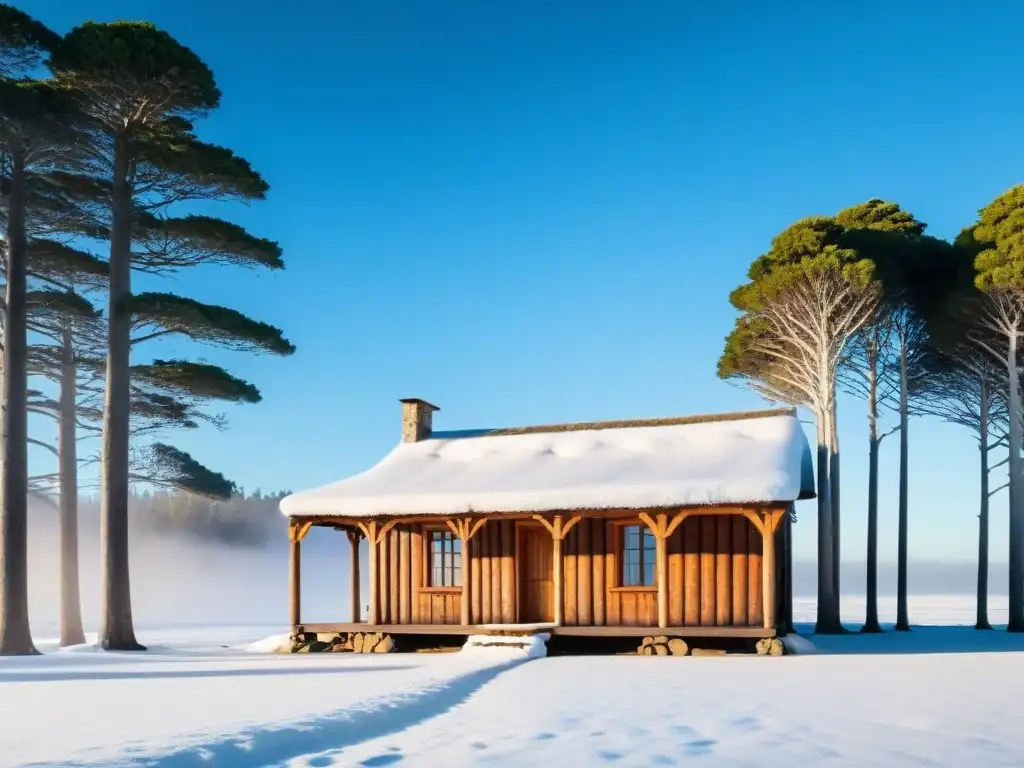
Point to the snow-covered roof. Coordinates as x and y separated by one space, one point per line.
736 458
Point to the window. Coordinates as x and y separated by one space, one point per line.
637 556
445 559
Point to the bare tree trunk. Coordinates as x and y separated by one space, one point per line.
15 630
71 630
871 618
787 586
982 620
871 615
1016 617
902 614
827 609
833 484
116 630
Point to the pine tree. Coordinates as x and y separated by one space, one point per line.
805 299
141 90
34 133
999 331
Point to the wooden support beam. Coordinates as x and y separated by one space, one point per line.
662 529
393 579
354 536
297 531
294 582
404 576
661 564
465 528
558 527
676 521
371 531
768 525
556 543
375 531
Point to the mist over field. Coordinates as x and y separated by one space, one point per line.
183 578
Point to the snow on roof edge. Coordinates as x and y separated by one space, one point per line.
432 477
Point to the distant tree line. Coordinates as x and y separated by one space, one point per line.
866 302
98 156
244 519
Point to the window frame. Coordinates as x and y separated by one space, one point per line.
620 556
428 560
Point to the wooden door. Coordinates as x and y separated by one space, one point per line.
536 581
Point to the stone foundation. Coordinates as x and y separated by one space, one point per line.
342 642
770 646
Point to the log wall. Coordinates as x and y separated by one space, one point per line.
714 576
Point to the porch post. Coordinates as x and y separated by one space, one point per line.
467 584
353 571
771 522
788 555
661 563
294 582
296 533
662 529
556 542
370 531
559 527
374 616
464 529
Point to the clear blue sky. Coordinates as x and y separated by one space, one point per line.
530 212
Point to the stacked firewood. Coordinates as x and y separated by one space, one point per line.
344 642
661 645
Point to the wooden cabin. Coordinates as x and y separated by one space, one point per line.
674 526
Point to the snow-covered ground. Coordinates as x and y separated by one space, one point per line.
206 697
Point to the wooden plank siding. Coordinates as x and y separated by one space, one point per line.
714 576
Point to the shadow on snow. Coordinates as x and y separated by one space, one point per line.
921 639
180 674
274 744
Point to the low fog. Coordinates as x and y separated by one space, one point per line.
182 577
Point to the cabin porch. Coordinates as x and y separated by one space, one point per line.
707 572
535 629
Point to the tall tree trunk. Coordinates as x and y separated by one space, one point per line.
871 615
827 609
787 614
116 631
1016 617
982 620
902 613
71 630
15 630
833 484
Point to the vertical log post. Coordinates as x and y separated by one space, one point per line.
393 577
767 523
768 576
296 533
374 533
557 534
558 527
464 529
354 537
662 529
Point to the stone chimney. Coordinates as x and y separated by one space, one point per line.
417 418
